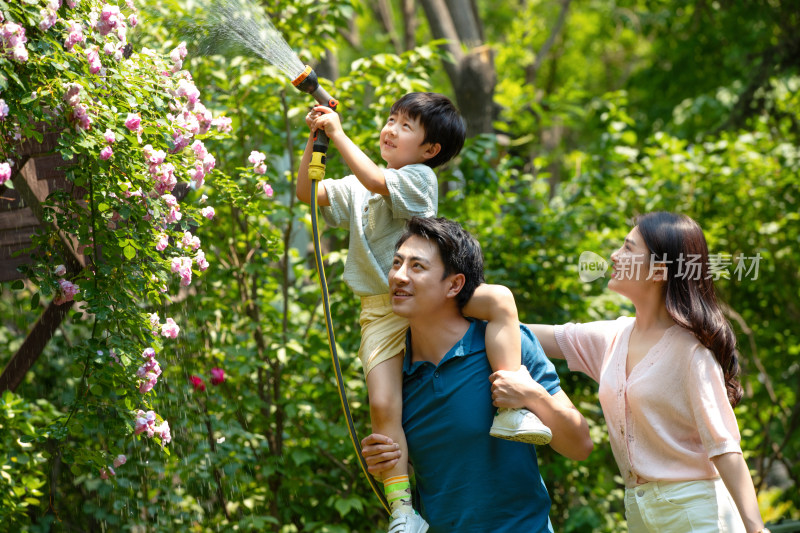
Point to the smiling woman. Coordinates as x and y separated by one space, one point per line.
668 384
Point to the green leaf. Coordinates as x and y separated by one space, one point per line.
130 252
17 285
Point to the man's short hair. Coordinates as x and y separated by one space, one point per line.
460 251
441 119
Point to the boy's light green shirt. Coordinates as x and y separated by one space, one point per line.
376 222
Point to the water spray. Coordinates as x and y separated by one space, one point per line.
243 23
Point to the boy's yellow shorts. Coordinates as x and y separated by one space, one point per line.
383 333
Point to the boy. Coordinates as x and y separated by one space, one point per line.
423 131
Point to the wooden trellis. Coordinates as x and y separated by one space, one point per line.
38 170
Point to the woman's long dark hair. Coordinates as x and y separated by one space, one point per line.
691 299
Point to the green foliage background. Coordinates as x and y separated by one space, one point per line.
691 107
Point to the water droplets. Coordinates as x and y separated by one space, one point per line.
246 24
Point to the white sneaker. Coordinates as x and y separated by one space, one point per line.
407 523
520 425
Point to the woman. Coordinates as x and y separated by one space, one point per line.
668 381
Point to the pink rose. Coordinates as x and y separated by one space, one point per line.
133 122
170 329
163 242
106 153
5 172
197 383
217 376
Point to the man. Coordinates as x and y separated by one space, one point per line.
466 479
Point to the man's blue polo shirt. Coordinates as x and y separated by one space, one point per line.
466 479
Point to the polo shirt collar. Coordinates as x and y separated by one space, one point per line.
472 342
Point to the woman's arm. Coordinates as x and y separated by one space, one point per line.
736 476
547 338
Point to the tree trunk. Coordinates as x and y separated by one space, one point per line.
472 74
409 24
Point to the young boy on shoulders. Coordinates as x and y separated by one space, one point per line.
423 131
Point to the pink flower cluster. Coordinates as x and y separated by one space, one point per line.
5 172
49 15
93 56
223 124
257 160
66 289
217 378
111 19
208 212
170 329
189 241
149 371
119 460
12 41
174 214
80 114
177 55
74 35
202 264
163 242
183 267
204 163
110 138
134 123
268 192
146 423
162 173
197 383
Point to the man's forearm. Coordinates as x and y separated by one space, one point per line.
570 429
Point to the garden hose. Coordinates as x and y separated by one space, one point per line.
334 355
307 82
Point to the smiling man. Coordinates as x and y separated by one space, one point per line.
466 480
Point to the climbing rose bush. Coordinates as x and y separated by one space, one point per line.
132 129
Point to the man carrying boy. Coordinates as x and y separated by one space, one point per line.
423 130
466 480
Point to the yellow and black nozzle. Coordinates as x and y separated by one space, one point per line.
308 83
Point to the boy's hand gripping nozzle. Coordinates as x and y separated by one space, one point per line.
308 83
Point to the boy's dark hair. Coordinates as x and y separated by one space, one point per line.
440 118
460 251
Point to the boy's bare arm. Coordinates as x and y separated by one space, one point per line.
495 303
367 172
303 181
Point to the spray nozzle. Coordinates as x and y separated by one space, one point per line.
308 83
